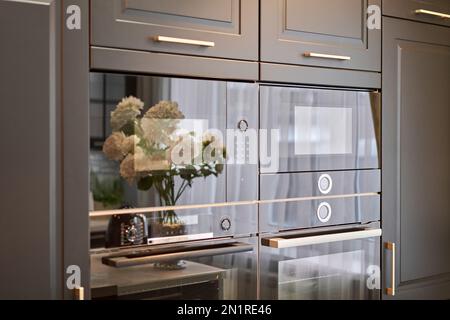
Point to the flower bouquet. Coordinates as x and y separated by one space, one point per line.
153 150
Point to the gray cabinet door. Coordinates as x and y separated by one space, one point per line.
430 11
416 158
292 29
29 185
219 28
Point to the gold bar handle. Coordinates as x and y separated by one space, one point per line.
78 293
283 243
326 56
391 246
184 41
432 13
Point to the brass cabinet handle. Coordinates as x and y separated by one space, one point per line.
184 41
78 293
326 56
391 246
283 243
432 13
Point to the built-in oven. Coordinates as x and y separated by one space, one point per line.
215 269
320 235
325 264
173 199
320 185
317 129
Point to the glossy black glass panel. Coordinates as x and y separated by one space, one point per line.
321 129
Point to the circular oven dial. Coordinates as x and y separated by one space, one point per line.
225 224
324 212
243 125
325 184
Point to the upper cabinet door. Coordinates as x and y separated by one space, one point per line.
218 28
325 33
430 11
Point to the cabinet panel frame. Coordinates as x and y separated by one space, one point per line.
279 45
405 9
116 26
396 32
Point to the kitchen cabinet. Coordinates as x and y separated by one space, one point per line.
29 185
221 28
44 181
300 32
415 160
430 11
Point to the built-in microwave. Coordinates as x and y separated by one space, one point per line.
318 129
165 142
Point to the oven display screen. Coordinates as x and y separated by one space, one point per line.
323 131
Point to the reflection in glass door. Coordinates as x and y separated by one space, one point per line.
305 268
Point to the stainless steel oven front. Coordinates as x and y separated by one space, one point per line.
320 235
320 129
333 263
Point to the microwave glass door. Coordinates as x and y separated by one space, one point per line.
209 270
159 142
338 270
182 109
319 129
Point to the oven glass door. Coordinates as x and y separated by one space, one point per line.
207 270
160 142
318 129
337 266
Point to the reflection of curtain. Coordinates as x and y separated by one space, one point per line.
151 90
205 101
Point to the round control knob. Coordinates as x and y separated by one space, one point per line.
325 184
243 125
131 234
225 224
324 212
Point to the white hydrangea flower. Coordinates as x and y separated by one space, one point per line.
127 170
113 146
129 144
165 110
126 111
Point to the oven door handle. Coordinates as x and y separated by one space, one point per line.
281 243
191 252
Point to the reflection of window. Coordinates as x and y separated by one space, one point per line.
105 92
